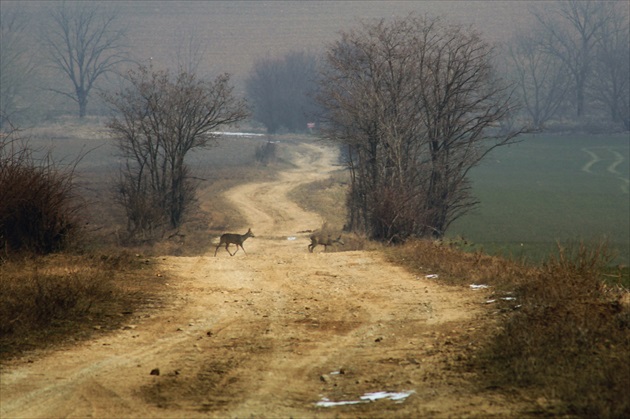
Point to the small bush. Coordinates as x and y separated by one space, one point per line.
38 210
267 153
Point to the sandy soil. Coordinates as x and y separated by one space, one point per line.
273 332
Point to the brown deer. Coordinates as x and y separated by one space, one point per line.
237 239
319 239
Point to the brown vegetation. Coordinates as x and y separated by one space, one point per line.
38 209
565 333
49 300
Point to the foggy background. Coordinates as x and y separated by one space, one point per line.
232 35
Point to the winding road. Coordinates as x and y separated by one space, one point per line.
276 332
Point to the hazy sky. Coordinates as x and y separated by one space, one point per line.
234 34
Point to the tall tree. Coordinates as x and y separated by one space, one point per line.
190 50
572 28
84 42
159 119
17 65
416 102
610 85
541 79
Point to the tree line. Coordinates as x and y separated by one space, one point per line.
413 102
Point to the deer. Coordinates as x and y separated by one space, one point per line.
319 239
231 238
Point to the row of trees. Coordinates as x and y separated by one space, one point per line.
576 59
573 63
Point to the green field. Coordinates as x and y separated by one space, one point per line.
548 189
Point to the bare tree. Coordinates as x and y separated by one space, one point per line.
160 118
17 66
416 103
85 43
190 50
541 78
610 84
572 29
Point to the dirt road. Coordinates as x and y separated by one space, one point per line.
272 333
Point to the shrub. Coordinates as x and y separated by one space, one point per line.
266 153
38 210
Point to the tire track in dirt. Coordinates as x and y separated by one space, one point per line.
268 334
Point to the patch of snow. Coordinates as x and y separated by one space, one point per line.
368 397
237 134
327 403
387 395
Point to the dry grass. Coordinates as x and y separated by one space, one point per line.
566 344
326 197
570 340
457 267
48 300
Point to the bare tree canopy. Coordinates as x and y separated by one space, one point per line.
190 50
572 29
417 104
160 118
541 79
84 42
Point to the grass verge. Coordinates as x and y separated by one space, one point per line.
49 300
564 341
